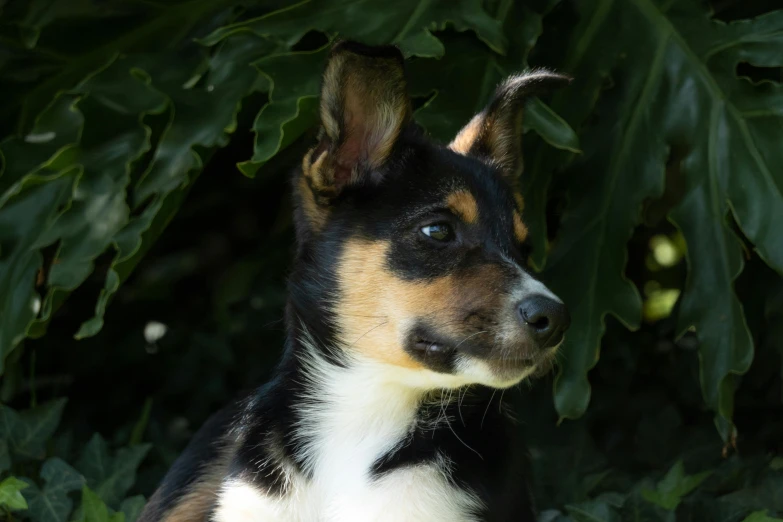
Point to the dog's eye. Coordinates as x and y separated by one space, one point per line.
439 231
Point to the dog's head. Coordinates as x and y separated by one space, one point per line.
411 254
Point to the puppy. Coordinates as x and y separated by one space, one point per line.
409 304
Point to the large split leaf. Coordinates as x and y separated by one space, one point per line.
45 66
463 80
294 78
70 181
676 88
406 23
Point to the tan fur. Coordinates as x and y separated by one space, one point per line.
464 205
520 229
201 497
377 309
467 136
314 213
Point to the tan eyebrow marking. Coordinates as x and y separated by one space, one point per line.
520 229
464 205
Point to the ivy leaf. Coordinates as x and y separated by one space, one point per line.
132 507
10 494
110 477
767 493
95 510
637 509
602 509
28 432
51 504
674 486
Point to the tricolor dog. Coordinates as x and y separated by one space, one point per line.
409 304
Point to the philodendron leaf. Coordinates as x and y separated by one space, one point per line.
675 86
407 23
463 80
71 182
110 477
51 503
294 80
674 486
10 494
27 433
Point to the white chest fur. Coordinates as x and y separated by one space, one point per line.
353 416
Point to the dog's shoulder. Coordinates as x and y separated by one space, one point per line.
190 488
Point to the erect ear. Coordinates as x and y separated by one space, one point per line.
495 134
364 107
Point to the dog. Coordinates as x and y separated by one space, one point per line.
409 303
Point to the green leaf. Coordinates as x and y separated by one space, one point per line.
132 507
294 81
551 127
407 23
110 477
760 516
676 87
42 12
767 493
115 28
95 510
28 432
10 494
637 509
596 510
467 75
52 504
674 486
94 144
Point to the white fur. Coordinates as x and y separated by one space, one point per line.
357 414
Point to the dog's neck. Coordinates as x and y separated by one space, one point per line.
351 411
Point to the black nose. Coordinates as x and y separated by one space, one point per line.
546 319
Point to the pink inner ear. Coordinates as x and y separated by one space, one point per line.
354 147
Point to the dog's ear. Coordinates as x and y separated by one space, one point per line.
364 107
495 134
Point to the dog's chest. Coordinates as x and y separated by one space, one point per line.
415 493
340 484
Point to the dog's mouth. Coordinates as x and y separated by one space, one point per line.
534 366
431 346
